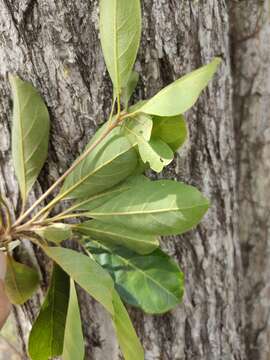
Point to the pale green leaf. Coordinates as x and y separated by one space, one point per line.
86 272
21 281
113 160
163 207
30 133
73 340
153 151
129 88
114 235
138 129
47 334
157 153
128 340
120 33
182 94
151 282
172 130
55 233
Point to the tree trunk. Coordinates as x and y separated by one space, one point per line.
55 45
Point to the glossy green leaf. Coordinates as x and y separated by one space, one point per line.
21 281
95 201
113 235
113 160
172 130
128 340
86 272
129 88
157 153
151 282
47 334
73 340
120 33
30 133
163 207
182 94
55 233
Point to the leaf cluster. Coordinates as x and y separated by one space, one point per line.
127 213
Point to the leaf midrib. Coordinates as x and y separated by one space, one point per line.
121 213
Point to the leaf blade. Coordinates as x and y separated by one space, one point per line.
120 33
30 133
126 334
109 234
21 281
181 95
163 207
151 282
73 340
47 334
108 164
78 267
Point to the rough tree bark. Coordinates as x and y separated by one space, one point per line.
250 34
55 45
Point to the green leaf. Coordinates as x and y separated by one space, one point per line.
47 334
157 153
55 233
151 282
109 234
172 130
73 340
120 33
163 207
98 283
182 94
97 200
21 281
130 87
128 340
113 160
30 133
138 129
86 272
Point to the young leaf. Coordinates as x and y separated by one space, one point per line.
128 340
120 33
30 133
163 207
157 153
108 164
114 235
151 282
73 340
47 334
21 281
138 129
55 233
182 94
86 272
130 87
172 130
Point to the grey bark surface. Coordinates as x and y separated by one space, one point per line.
55 45
251 59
